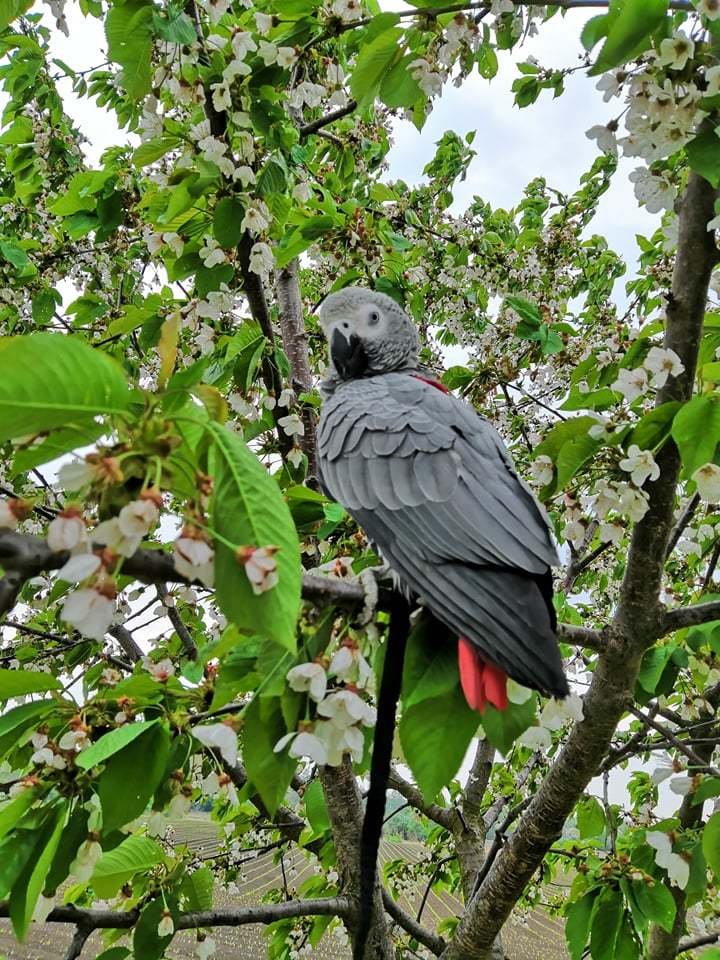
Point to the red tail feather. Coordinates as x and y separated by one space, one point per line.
481 682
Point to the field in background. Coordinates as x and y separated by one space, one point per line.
542 937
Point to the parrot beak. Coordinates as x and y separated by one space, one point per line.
348 355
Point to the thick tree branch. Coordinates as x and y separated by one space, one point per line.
689 616
440 815
581 636
694 942
432 941
295 344
229 917
184 635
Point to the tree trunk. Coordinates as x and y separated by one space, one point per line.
344 803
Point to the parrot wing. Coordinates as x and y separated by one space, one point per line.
433 486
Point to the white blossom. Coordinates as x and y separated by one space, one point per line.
257 217
286 57
67 531
631 383
243 41
205 949
604 136
166 927
339 741
261 259
662 364
346 709
537 738
347 9
611 85
640 464
307 94
109 534
675 51
611 533
161 670
267 52
678 869
136 517
220 736
633 503
707 480
429 80
212 253
87 856
310 677
194 559
541 470
303 744
89 611
655 191
295 457
80 567
349 665
76 475
292 425
708 8
260 567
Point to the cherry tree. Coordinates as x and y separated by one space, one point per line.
186 618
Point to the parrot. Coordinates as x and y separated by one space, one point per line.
434 488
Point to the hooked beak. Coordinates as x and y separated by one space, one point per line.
348 355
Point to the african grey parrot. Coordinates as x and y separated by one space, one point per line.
434 488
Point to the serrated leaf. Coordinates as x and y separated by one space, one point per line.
605 925
128 28
30 884
431 668
373 63
270 772
656 903
153 150
111 743
577 924
703 153
18 683
116 866
711 843
123 794
197 887
629 32
48 379
248 509
433 757
590 817
503 727
226 222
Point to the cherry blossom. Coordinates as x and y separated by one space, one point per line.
166 927
262 260
707 480
88 854
640 464
303 743
348 664
631 383
542 470
260 567
675 51
161 670
194 558
292 425
310 677
220 736
536 738
12 511
346 709
136 517
257 217
347 9
678 869
67 531
708 8
662 363
76 475
339 741
604 135
109 534
90 611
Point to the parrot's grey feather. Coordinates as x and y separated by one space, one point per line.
434 488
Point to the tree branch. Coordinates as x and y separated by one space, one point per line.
222 917
691 616
432 941
693 943
321 122
184 635
440 815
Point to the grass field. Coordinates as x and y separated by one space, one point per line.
540 939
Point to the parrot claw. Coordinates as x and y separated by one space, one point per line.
368 579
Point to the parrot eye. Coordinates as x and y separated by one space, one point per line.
374 318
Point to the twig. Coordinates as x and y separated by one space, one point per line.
698 762
438 867
683 520
184 635
82 932
432 941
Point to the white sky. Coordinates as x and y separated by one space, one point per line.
513 146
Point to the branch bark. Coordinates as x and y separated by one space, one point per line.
432 941
295 345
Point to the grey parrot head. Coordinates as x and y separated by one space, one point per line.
368 333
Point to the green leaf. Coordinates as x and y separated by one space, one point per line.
653 665
123 794
527 311
17 683
569 446
373 63
656 903
629 32
248 509
655 427
48 379
594 30
577 925
398 87
590 817
503 727
197 887
14 254
13 810
44 304
315 808
226 222
430 668
81 192
116 866
146 942
711 843
605 925
703 153
177 28
270 772
111 743
433 757
153 150
128 28
30 884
